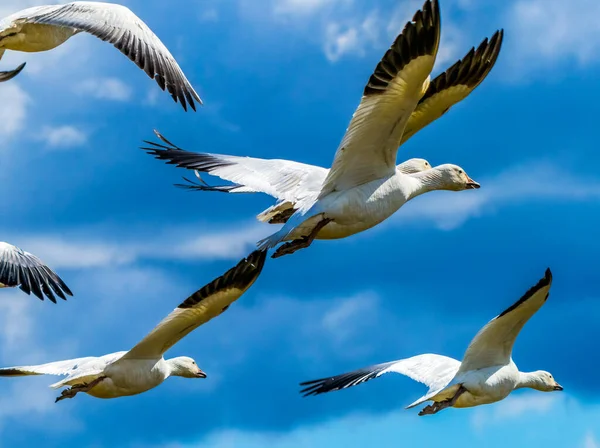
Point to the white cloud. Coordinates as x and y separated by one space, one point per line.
63 137
316 340
209 15
301 7
342 40
590 441
81 251
516 406
13 109
555 30
529 182
386 429
112 89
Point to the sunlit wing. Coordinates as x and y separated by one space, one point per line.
435 371
493 345
282 179
202 306
128 33
454 85
368 149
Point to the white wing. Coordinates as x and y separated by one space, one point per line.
52 368
6 76
454 85
128 33
282 179
493 345
71 368
369 147
20 268
202 306
435 371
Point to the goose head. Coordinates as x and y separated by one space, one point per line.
544 381
412 166
185 367
453 177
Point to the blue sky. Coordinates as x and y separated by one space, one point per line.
281 78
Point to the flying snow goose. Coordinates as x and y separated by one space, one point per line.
143 367
287 181
28 272
486 374
43 28
6 76
364 186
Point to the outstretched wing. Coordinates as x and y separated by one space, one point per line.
369 147
493 345
129 34
20 268
282 179
435 371
202 306
454 85
52 368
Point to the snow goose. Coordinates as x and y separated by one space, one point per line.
364 186
28 272
43 28
143 367
486 374
287 181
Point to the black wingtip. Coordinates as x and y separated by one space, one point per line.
241 276
419 37
544 282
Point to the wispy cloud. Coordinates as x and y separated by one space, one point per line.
301 7
514 407
63 137
528 182
13 109
85 250
590 441
341 40
549 31
112 89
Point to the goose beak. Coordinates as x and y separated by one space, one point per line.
200 374
471 184
558 387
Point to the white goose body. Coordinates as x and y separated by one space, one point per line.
131 377
360 208
363 186
483 386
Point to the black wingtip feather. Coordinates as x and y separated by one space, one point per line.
471 70
542 283
241 276
343 381
419 37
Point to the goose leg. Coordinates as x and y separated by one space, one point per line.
74 390
301 243
441 405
